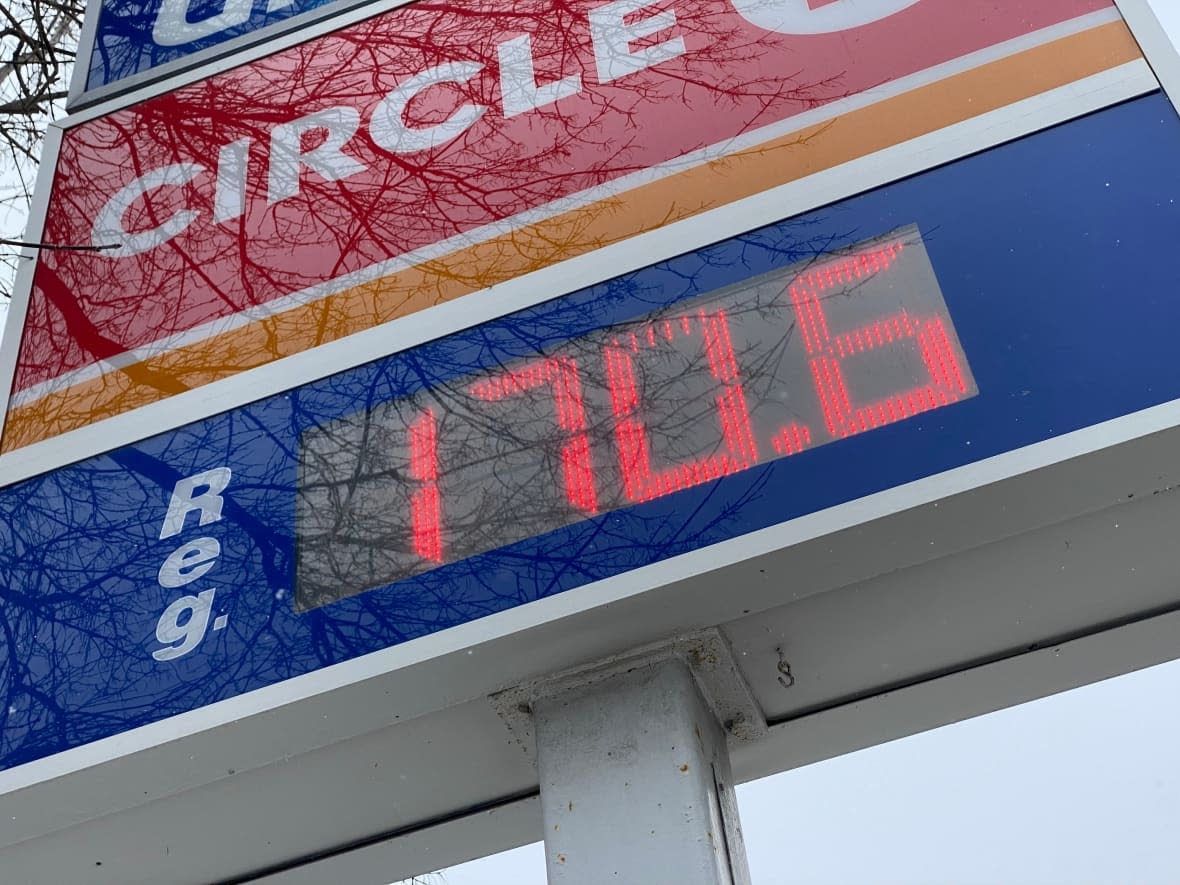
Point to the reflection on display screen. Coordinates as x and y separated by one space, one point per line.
760 370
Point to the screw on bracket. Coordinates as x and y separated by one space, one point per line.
786 677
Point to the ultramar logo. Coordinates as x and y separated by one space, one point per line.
185 622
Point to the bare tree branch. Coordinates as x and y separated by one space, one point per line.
37 48
59 246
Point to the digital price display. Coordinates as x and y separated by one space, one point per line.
759 370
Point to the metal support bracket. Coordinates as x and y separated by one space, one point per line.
706 653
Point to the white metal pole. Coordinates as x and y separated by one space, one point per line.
636 786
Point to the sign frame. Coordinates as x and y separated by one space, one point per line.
1093 469
1161 53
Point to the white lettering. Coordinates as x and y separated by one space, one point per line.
229 199
287 154
108 226
625 36
797 16
612 39
518 79
200 492
189 562
173 28
388 126
169 629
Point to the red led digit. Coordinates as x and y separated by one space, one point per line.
827 352
425 504
562 374
791 440
640 481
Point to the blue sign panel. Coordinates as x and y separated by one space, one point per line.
993 303
134 36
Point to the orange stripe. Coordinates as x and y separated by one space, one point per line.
782 160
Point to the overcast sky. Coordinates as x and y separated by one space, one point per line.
1169 13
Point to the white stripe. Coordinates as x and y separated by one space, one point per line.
622 185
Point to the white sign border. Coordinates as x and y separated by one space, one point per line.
1161 53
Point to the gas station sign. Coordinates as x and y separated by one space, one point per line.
458 346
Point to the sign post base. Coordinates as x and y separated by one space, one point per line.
636 785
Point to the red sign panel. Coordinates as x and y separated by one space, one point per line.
440 148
